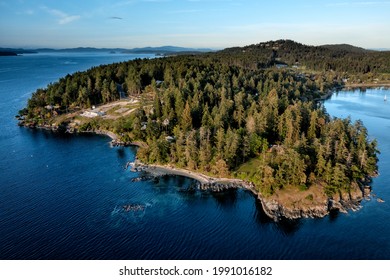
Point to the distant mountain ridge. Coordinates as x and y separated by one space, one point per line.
168 49
16 50
280 53
163 50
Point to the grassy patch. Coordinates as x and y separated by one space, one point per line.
112 110
247 171
132 106
249 167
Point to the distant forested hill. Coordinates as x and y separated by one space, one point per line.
164 50
341 58
345 48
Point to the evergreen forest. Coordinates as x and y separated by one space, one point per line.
253 113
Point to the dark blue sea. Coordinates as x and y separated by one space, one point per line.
62 197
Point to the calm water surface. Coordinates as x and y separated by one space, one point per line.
62 197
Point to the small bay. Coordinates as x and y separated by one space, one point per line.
62 197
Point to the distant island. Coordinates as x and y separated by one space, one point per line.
247 117
14 52
162 51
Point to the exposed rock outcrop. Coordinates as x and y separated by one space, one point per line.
341 203
289 203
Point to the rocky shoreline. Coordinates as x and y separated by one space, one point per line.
205 182
272 206
278 211
115 141
367 85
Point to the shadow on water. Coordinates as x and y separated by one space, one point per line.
181 181
333 215
33 133
288 227
285 226
159 184
121 153
38 133
225 199
172 183
189 189
259 214
42 134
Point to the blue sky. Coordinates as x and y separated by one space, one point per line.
191 23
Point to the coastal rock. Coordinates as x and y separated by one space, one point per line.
288 204
144 178
367 190
357 195
343 202
217 186
277 211
118 143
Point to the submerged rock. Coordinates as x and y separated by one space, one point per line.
143 178
133 207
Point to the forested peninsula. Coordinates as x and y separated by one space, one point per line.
251 115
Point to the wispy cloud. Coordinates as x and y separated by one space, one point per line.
63 18
118 18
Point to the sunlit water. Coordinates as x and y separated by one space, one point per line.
62 197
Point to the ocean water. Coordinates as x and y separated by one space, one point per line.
62 197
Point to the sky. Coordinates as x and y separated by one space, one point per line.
192 23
